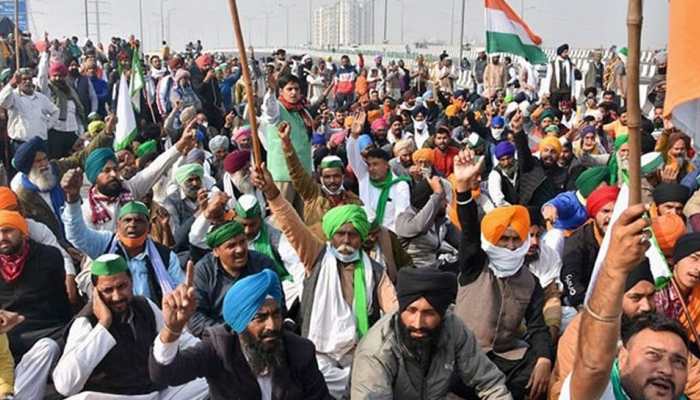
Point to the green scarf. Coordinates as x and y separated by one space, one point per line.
262 245
360 297
616 383
385 186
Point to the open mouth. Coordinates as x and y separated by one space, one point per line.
661 385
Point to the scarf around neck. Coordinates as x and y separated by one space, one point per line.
262 244
11 266
55 193
96 201
61 93
298 107
385 186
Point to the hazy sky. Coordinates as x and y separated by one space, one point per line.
581 23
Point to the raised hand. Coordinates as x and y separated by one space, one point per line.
71 183
435 184
358 123
466 169
216 208
179 305
100 309
284 130
8 320
262 179
202 200
516 123
187 141
629 240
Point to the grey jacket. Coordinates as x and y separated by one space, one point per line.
383 369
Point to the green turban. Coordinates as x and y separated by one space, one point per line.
184 172
548 113
147 148
620 140
341 215
108 265
651 162
590 179
95 162
223 233
247 206
331 162
96 127
133 207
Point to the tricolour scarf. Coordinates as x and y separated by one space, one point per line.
262 244
56 194
11 266
100 215
385 187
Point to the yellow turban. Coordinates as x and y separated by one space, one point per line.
497 221
423 155
551 141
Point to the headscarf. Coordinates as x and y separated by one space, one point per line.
404 144
667 192
147 148
600 197
218 142
184 172
551 141
350 213
439 288
244 132
331 162
247 295
668 229
95 162
8 198
108 265
236 160
504 148
26 153
590 179
423 155
133 207
223 233
15 220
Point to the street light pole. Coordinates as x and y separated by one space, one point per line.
461 32
452 24
87 23
386 8
141 20
162 22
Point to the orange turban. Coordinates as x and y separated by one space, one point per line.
423 155
348 122
668 229
8 198
374 115
497 221
551 141
15 220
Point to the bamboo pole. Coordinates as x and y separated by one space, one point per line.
17 38
246 79
634 31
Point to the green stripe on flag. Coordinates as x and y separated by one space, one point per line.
126 142
497 42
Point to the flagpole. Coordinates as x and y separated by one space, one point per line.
17 38
246 80
634 30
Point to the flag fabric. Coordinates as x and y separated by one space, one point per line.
657 262
506 32
125 130
682 101
136 83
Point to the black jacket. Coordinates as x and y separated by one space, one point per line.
580 252
219 359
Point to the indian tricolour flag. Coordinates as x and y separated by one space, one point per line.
506 32
657 262
125 130
682 102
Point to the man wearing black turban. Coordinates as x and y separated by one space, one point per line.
670 198
422 344
559 81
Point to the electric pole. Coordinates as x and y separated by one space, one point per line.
141 21
386 8
87 22
461 32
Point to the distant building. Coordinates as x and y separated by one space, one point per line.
345 23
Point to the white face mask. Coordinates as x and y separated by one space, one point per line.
497 133
345 258
502 261
419 125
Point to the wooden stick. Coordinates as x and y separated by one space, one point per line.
691 323
634 30
17 38
246 80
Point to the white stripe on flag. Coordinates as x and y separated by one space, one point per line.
498 21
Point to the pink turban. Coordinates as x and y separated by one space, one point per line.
338 138
58 69
243 132
379 123
204 61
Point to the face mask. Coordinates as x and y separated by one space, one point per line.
419 125
330 192
345 258
496 133
131 243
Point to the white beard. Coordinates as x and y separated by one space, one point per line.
242 182
45 181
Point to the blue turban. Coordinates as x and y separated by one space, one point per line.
318 139
570 212
26 152
364 141
246 296
504 148
97 160
498 122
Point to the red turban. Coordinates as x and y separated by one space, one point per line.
236 160
58 69
204 61
600 197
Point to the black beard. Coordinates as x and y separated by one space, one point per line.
532 257
110 189
262 359
421 349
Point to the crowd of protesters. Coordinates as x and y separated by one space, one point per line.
402 236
